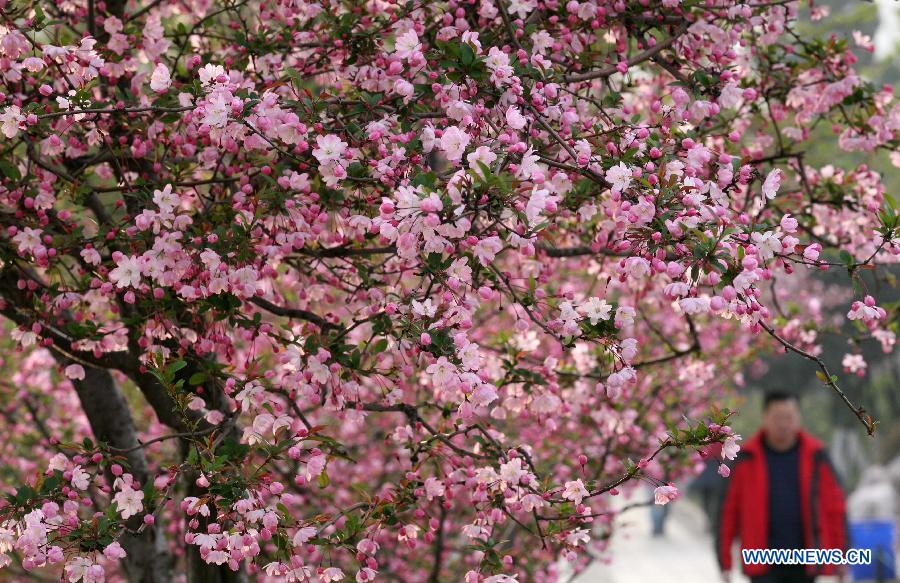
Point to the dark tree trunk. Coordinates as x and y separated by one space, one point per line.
148 560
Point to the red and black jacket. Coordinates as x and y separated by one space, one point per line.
745 505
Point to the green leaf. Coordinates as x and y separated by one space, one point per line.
233 450
846 258
198 378
10 170
424 179
466 55
24 494
38 15
50 484
150 492
175 367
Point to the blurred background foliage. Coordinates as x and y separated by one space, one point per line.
878 391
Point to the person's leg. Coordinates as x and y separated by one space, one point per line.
791 574
708 507
658 514
657 517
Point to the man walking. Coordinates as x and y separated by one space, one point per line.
783 493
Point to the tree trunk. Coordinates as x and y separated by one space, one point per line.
148 560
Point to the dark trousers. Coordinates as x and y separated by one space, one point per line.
784 574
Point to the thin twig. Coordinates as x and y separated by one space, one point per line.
828 379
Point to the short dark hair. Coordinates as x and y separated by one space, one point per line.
776 396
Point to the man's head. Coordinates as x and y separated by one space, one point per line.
781 419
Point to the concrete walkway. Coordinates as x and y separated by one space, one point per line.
683 553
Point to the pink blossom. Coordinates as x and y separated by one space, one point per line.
11 119
454 142
812 251
75 372
486 249
127 272
575 491
80 478
433 488
854 364
595 310
129 501
114 551
730 447
407 44
772 183
160 80
330 148
789 224
665 494
514 118
619 177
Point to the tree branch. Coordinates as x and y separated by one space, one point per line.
294 313
638 58
827 378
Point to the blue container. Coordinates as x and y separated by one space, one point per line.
877 535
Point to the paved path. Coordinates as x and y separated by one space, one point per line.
683 553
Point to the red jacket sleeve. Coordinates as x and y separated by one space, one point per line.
833 505
729 518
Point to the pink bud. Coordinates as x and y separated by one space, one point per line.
789 224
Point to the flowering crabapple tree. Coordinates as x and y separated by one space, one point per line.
404 291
